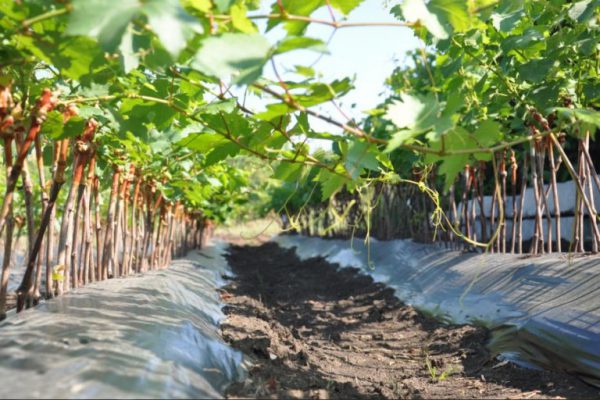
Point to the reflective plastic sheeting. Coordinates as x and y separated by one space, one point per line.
542 311
147 336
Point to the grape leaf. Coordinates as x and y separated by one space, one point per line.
237 55
360 156
414 114
73 127
107 20
239 19
416 10
330 183
453 13
223 5
345 6
203 142
291 43
588 116
583 10
53 126
295 7
221 152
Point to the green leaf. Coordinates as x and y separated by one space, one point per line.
536 70
294 7
583 10
440 127
531 41
236 55
452 12
216 107
130 58
221 152
417 10
455 100
74 127
290 43
330 183
223 5
545 96
345 6
107 20
488 133
72 56
203 143
413 112
399 138
110 20
455 139
139 113
274 111
287 171
584 115
232 124
53 126
239 19
203 6
361 156
305 71
508 15
451 167
171 23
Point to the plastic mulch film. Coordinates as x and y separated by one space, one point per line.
543 311
148 336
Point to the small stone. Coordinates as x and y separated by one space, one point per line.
294 394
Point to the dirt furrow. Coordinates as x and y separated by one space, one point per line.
313 331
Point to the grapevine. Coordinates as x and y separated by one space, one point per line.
121 137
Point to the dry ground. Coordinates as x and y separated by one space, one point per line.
313 331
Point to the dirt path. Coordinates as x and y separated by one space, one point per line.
313 331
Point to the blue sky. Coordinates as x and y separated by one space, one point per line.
367 53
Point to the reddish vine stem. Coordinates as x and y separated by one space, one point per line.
45 104
522 202
503 175
593 215
575 177
465 201
107 254
514 166
482 218
24 292
27 193
554 186
494 247
535 243
44 198
8 239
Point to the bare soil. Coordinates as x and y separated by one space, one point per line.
311 330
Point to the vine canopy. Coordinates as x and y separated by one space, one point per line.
159 77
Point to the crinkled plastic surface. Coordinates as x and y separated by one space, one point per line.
148 336
542 311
